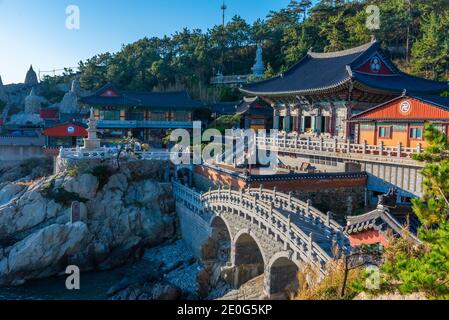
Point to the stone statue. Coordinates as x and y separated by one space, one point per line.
32 110
259 67
69 103
31 77
33 103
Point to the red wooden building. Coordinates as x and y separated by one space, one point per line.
65 134
402 120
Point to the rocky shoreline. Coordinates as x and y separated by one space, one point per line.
120 213
166 272
126 223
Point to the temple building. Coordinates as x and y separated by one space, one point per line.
255 113
319 94
147 116
67 135
401 120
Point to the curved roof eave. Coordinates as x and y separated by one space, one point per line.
397 91
299 92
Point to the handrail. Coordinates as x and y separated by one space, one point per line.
246 201
304 208
263 210
346 148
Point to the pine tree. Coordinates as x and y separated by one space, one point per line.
431 51
426 269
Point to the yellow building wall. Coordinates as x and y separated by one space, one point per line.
368 136
400 133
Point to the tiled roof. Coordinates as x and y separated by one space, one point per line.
161 100
438 101
319 72
225 108
254 106
383 219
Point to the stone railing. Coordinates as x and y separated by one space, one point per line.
188 197
152 155
276 212
320 146
79 153
291 204
230 79
276 223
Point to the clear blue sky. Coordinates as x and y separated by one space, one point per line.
34 32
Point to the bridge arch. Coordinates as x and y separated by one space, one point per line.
248 257
282 275
219 245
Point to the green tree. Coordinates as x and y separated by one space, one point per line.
426 269
431 51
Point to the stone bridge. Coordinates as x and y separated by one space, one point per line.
259 231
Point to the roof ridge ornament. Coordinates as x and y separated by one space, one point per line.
404 93
349 70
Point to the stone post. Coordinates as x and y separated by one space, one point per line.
419 148
399 152
310 245
364 147
308 143
335 144
381 148
308 205
348 146
75 215
328 219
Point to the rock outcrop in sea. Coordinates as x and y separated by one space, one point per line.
120 213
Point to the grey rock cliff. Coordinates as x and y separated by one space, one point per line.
37 238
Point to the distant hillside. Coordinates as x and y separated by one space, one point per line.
415 36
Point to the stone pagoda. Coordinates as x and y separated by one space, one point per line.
92 142
31 77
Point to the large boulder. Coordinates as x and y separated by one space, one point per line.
85 185
116 221
9 192
43 253
26 213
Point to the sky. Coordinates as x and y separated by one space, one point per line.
34 31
